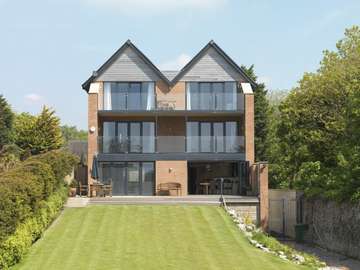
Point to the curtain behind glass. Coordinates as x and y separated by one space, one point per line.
107 96
109 140
230 96
148 96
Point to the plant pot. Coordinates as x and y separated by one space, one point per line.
72 192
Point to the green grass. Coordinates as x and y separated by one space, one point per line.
147 237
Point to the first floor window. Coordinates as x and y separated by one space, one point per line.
219 96
123 137
129 96
218 137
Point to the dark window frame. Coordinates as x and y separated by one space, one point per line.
128 123
140 171
213 95
127 95
212 143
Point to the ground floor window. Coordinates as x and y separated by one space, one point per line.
129 178
205 178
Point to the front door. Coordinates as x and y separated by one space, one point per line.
129 178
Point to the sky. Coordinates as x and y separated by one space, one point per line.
49 48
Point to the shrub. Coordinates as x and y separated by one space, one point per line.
44 175
62 162
24 188
13 248
20 197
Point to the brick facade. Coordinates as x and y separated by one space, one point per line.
264 195
249 128
92 136
174 95
172 171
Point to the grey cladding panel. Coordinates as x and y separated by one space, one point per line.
128 67
212 67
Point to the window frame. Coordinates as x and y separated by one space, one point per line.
128 87
213 95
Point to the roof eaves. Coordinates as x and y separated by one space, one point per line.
222 53
113 57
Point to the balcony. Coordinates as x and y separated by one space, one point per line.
172 103
171 144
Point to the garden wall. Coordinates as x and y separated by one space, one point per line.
334 226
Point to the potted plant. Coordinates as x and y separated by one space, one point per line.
73 185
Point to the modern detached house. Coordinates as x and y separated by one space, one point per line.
179 133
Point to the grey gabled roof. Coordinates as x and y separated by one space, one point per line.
200 54
126 45
169 77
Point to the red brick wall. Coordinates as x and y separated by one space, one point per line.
249 128
92 137
172 171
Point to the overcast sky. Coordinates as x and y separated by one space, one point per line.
49 48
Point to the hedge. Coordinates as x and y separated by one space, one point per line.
31 195
13 248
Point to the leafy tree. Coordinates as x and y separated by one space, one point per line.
6 121
38 134
261 108
72 133
317 129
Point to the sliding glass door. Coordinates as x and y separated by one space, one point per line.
212 137
129 178
129 96
125 137
210 96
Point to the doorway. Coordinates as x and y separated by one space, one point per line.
129 178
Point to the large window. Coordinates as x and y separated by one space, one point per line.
219 96
129 96
129 178
133 137
213 137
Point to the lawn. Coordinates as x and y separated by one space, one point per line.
147 237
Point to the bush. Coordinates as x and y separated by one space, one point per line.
24 188
13 248
62 162
20 197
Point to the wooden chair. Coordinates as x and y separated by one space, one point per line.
165 188
107 189
83 189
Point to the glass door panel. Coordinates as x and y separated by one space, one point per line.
114 174
231 132
218 89
219 137
118 96
192 136
109 140
230 96
123 137
148 137
133 178
206 100
134 96
147 178
205 137
135 137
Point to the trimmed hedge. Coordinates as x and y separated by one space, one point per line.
13 248
31 195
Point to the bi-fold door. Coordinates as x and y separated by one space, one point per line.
129 178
